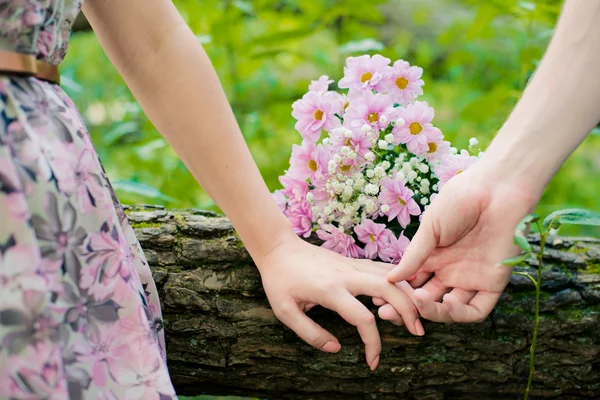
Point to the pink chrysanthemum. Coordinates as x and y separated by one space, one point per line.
374 236
315 112
308 160
364 72
453 165
417 131
321 84
294 188
395 250
403 82
300 215
376 110
340 242
358 142
437 151
280 200
398 197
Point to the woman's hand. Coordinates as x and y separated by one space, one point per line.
455 254
297 275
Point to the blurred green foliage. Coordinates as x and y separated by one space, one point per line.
477 57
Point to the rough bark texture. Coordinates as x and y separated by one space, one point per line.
223 338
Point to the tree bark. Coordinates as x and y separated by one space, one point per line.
222 337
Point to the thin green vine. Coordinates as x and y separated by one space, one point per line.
552 221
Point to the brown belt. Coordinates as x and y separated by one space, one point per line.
13 62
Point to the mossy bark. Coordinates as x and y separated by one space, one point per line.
222 337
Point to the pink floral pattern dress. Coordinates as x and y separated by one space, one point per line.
79 313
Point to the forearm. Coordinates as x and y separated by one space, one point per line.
558 108
176 85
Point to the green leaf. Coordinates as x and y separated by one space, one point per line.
520 231
361 46
140 189
512 261
120 131
571 216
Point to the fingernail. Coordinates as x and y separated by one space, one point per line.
411 278
420 329
331 347
375 363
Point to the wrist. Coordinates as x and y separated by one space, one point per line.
260 243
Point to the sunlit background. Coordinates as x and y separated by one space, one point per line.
477 57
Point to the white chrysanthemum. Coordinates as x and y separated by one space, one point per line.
370 156
309 197
385 208
453 150
424 168
385 165
371 189
473 142
366 128
412 175
389 138
424 201
383 119
382 144
400 122
347 193
370 173
370 206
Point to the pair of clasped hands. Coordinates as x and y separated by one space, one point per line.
449 273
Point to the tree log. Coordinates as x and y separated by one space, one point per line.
222 337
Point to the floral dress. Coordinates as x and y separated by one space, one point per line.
79 312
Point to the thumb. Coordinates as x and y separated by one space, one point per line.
420 247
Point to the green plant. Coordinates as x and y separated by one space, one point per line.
571 216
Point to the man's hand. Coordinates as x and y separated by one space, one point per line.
454 256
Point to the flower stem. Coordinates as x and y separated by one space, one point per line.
536 323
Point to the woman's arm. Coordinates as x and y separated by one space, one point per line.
176 85
174 82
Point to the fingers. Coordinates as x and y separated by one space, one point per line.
378 301
429 309
375 286
389 313
372 267
355 313
476 311
308 330
420 278
420 247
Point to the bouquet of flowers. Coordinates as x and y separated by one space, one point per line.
370 162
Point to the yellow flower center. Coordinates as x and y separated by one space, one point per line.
349 142
459 171
373 117
345 168
372 238
366 77
432 147
312 165
346 104
402 82
415 128
401 201
318 115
